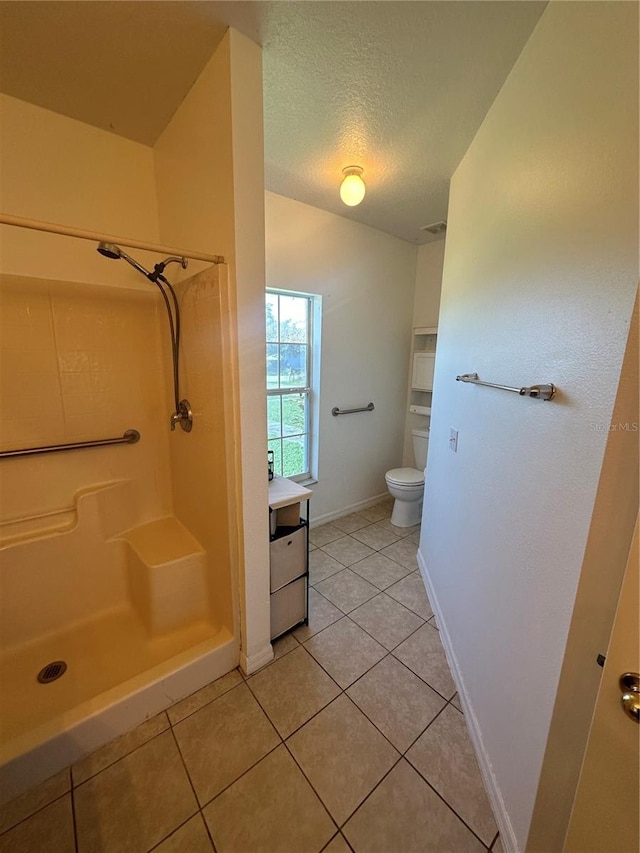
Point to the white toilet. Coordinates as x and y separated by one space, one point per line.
406 485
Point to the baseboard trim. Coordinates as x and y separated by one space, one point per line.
356 507
256 661
507 835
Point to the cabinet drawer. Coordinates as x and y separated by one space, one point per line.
288 607
288 558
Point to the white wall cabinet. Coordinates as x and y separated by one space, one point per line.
423 361
422 374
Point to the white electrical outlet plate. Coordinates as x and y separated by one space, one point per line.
453 439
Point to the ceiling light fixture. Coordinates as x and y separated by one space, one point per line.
352 188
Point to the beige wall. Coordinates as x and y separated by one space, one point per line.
248 162
199 474
426 300
193 163
60 170
209 171
541 269
366 279
194 179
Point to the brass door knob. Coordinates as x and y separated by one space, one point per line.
630 686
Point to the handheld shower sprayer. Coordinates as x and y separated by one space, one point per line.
182 414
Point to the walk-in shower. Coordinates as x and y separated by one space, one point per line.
119 559
182 413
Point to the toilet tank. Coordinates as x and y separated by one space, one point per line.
420 445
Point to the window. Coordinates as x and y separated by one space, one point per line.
293 326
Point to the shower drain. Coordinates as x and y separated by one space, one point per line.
52 671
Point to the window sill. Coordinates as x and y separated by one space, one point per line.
309 481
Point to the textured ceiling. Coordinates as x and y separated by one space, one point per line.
399 88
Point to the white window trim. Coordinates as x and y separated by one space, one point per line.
313 389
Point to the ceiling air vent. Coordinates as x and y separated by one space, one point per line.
436 227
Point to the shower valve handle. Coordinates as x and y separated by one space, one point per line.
184 416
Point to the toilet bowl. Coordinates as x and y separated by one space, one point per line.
406 485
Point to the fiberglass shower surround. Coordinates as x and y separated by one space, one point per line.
182 414
110 249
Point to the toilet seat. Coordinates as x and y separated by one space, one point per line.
405 477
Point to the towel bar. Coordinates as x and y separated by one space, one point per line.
538 392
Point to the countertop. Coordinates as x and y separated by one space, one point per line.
284 492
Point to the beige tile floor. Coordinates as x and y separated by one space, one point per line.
352 739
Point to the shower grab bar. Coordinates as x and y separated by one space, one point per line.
99 237
336 411
538 392
131 436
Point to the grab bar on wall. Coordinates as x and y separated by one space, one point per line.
131 436
538 392
336 411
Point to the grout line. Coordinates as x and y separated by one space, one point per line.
327 600
413 742
343 692
244 773
380 551
377 785
75 784
186 770
73 813
310 784
380 554
208 831
344 689
35 812
373 637
447 804
401 755
494 840
344 838
366 716
315 714
364 713
173 831
387 653
333 837
424 681
450 702
210 702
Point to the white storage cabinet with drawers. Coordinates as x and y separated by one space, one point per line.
289 555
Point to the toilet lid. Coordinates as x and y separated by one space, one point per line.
405 476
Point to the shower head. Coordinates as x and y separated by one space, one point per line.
110 250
